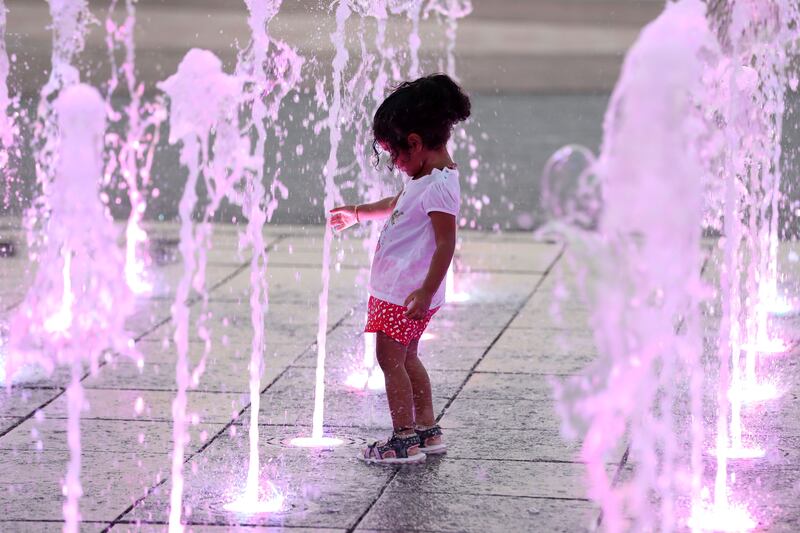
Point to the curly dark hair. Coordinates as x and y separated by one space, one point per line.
428 106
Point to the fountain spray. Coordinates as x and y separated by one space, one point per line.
269 70
203 99
78 303
131 153
333 123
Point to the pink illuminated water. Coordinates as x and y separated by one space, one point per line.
7 131
71 19
78 303
635 258
202 98
260 498
329 173
131 153
270 69
51 318
722 518
628 271
755 90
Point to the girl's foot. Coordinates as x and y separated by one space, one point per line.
399 449
431 440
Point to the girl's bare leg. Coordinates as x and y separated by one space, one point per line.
391 357
421 385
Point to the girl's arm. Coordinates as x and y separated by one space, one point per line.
444 230
377 210
345 216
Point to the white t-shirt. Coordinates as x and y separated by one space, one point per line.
407 242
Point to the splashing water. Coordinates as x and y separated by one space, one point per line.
271 69
728 140
131 153
202 99
7 128
759 35
757 76
79 300
70 21
330 172
639 272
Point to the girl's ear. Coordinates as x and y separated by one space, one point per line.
414 143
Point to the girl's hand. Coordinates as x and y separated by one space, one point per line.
343 217
418 303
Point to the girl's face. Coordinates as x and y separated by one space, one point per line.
409 161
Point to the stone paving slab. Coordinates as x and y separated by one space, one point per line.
299 382
22 402
403 511
545 445
111 481
522 257
46 526
489 415
538 351
149 528
9 422
221 374
100 435
508 387
325 491
497 287
210 407
541 314
499 478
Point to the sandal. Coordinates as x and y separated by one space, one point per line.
396 450
426 435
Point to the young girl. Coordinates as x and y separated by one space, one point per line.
413 253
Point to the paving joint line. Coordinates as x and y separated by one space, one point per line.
471 371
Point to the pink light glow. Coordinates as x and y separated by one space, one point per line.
767 346
458 297
427 337
249 503
61 321
760 392
727 517
136 276
451 295
357 380
366 379
316 442
741 452
779 306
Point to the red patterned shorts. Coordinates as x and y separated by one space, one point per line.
390 319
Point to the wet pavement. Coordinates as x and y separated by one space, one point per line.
523 476
491 359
